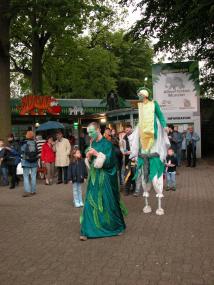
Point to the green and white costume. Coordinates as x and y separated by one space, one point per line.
149 144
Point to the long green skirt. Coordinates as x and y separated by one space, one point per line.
102 215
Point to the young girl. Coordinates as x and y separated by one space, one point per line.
77 173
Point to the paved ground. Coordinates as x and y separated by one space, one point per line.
39 238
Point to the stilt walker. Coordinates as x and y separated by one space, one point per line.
149 143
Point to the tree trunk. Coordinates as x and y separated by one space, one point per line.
5 110
37 52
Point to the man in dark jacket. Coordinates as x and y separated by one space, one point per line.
11 159
3 166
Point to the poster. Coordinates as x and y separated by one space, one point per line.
176 86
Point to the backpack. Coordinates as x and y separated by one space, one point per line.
30 151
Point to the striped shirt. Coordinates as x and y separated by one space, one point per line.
39 144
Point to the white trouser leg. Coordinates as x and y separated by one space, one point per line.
146 189
158 186
75 195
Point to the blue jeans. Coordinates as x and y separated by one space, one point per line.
171 179
27 172
4 175
77 194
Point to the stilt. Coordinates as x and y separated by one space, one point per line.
147 209
159 210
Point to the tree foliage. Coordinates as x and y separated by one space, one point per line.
88 67
70 49
185 28
40 24
75 70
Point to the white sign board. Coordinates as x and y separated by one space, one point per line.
175 87
175 93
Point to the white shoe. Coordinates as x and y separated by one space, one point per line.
77 205
160 212
81 205
147 209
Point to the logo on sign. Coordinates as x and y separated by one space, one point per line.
76 111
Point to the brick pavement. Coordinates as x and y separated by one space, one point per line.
39 238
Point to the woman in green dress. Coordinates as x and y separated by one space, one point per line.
102 213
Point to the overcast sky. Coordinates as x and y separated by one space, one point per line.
133 16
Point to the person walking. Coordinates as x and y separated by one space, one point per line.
62 148
29 163
76 174
48 159
191 138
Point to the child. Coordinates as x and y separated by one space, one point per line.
171 162
77 173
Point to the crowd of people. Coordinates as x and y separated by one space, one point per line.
61 154
108 159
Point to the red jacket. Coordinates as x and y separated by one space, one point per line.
47 155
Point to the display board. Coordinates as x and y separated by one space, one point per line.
176 86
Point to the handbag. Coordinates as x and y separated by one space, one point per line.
19 169
42 170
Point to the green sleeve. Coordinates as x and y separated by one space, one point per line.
160 115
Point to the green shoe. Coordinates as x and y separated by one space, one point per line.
173 188
167 188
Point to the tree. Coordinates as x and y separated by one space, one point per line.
38 24
5 117
56 53
184 28
134 60
73 70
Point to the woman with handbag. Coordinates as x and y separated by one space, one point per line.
48 159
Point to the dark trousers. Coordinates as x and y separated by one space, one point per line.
4 175
12 173
63 170
191 155
183 155
130 182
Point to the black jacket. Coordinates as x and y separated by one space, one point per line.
11 157
77 171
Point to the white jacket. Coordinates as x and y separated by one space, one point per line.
63 150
